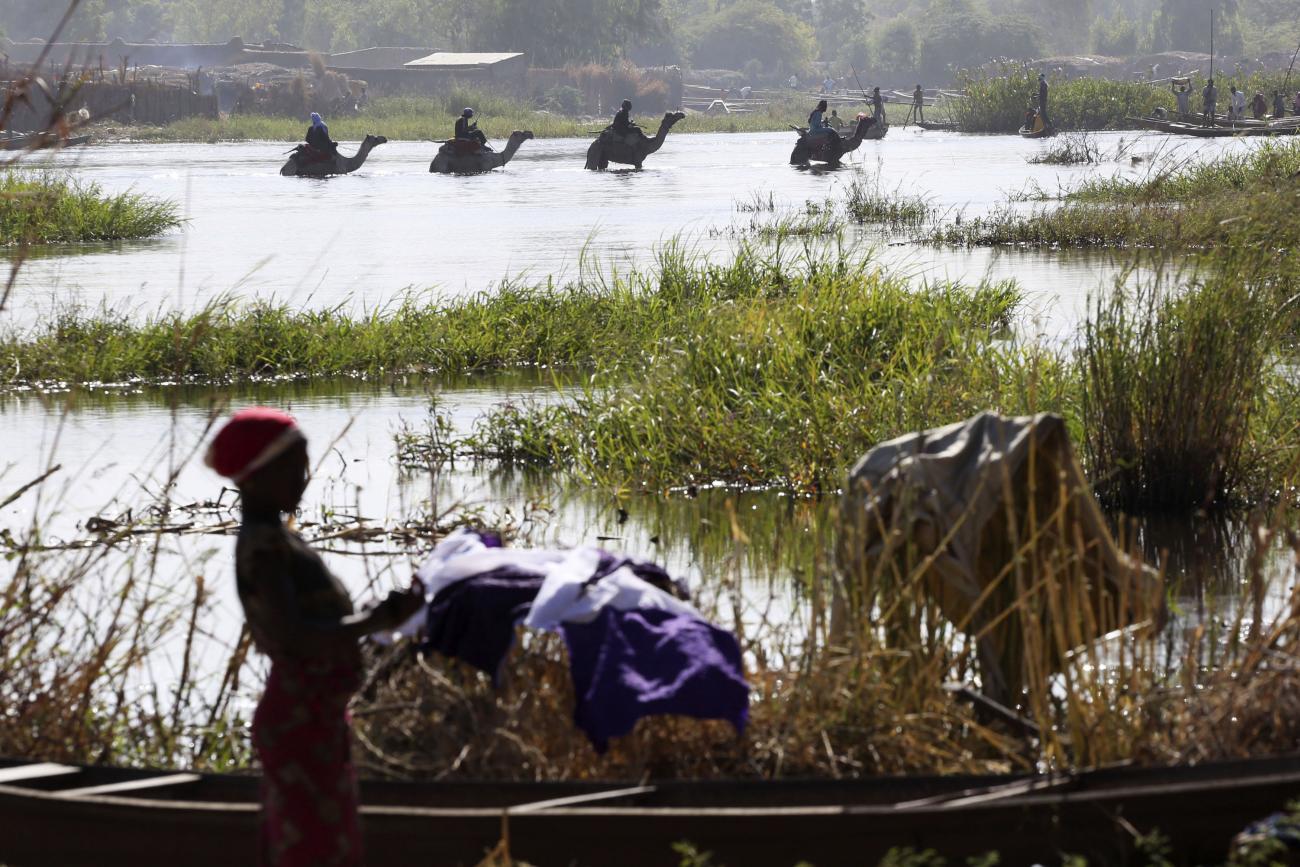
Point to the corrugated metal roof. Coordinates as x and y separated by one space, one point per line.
453 58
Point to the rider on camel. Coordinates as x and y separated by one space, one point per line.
467 130
623 125
318 138
817 122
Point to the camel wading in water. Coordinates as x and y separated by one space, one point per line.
464 157
830 150
330 165
607 148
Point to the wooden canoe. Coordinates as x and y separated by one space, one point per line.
40 141
1045 132
937 125
72 816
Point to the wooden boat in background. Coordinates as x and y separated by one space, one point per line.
944 126
1045 132
40 141
70 815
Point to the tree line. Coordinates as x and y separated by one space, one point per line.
928 39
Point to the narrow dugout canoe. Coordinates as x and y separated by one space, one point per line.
72 816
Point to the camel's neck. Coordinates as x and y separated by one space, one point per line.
355 162
512 146
658 141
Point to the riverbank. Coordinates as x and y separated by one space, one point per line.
418 119
1239 198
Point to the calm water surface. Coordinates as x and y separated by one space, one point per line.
366 238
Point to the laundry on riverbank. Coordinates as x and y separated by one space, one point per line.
636 648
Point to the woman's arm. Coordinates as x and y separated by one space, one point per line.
297 632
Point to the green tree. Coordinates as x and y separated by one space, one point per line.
959 35
1184 25
556 32
753 30
896 49
1117 37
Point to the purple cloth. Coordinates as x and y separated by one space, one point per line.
474 620
630 664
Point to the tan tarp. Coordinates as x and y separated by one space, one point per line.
988 515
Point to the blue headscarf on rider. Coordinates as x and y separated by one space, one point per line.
317 120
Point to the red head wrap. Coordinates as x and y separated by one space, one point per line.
250 440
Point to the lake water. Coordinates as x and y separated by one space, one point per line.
368 238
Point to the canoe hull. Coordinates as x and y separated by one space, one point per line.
750 823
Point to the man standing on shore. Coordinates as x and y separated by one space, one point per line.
1042 99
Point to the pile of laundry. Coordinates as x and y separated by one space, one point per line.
636 647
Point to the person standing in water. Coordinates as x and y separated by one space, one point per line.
301 617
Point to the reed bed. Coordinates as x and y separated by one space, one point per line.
867 201
1240 199
599 316
45 208
996 100
1071 149
814 358
1174 373
86 634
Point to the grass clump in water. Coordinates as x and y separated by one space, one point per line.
867 201
1182 397
775 371
50 209
1072 149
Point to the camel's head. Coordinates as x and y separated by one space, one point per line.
375 140
673 116
522 134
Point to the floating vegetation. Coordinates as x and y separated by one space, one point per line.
869 202
45 208
1071 149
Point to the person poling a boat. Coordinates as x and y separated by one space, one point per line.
467 129
1209 102
918 104
877 106
1042 98
1279 105
300 616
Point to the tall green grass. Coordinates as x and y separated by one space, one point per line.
995 100
776 370
1174 373
40 208
1245 198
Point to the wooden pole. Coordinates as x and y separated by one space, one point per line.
1286 83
